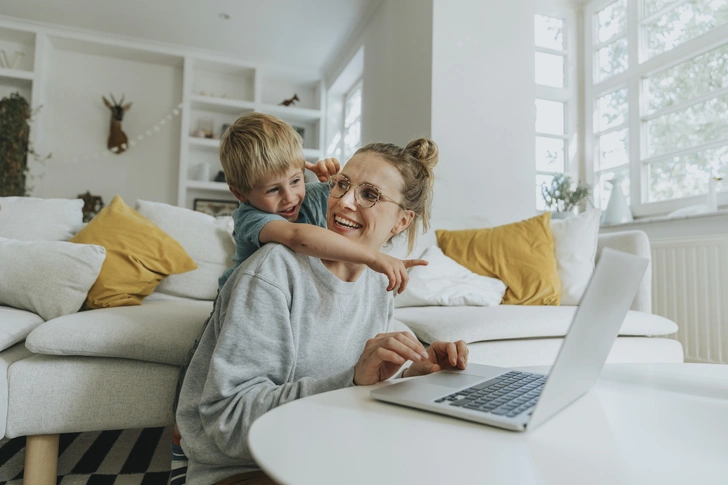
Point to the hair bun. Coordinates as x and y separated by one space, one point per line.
425 151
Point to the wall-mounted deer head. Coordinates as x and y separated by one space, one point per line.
118 142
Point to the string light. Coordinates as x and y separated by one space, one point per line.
133 141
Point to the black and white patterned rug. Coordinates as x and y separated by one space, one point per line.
121 457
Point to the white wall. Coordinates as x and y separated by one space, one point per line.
77 124
483 110
396 84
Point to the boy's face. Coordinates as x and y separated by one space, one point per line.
280 194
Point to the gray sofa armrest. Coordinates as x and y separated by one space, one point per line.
637 243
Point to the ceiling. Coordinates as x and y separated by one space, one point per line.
305 33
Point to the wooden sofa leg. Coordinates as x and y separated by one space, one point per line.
41 459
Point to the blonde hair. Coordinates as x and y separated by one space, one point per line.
257 146
415 163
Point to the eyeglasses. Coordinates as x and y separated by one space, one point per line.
366 195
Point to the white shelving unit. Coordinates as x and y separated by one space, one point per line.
217 92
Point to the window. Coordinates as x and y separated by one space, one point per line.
344 110
352 121
556 110
657 82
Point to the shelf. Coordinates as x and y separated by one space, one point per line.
212 186
227 105
204 142
16 74
308 153
290 113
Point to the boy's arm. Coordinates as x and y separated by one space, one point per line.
321 243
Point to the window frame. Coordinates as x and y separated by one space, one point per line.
569 94
634 77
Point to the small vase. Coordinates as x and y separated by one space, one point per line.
712 201
618 211
562 215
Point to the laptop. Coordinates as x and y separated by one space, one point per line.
521 401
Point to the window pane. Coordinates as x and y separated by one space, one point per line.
685 22
549 117
603 190
687 175
700 123
613 149
612 58
541 180
700 75
549 32
353 107
352 139
549 154
612 20
652 6
549 70
611 110
334 149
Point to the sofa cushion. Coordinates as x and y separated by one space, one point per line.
520 254
475 324
575 247
207 239
138 256
157 331
15 325
31 218
447 283
50 278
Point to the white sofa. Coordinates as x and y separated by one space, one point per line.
116 368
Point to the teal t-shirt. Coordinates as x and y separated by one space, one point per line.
249 221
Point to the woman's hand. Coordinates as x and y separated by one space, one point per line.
394 269
441 356
384 354
325 168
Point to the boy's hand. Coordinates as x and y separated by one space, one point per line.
325 168
395 270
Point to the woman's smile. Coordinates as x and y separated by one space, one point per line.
345 222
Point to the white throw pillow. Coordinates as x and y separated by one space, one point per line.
50 278
208 241
31 218
575 247
444 282
398 246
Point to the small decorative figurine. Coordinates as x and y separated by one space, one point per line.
290 101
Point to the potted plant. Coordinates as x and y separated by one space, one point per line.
15 116
562 197
14 131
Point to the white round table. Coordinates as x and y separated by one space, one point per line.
640 424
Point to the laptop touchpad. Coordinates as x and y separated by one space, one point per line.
451 379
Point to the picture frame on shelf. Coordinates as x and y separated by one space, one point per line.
215 207
301 131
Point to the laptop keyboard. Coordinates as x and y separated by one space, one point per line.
508 395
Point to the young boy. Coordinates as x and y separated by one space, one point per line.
264 164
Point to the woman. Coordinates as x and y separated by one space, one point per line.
288 326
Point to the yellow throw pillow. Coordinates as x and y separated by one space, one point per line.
138 256
519 254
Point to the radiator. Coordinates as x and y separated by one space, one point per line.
690 287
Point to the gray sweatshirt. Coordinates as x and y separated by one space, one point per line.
283 328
